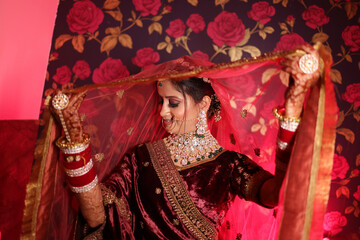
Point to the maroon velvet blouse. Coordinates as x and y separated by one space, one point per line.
146 197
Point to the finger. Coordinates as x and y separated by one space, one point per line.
310 50
57 91
73 99
69 111
76 125
77 104
292 58
289 63
290 70
79 99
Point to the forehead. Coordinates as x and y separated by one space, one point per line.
167 88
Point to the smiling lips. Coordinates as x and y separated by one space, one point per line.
168 122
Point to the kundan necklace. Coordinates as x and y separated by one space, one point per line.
192 147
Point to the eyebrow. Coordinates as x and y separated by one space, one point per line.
168 97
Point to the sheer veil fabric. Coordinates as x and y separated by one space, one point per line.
123 114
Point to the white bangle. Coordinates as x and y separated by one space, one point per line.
79 171
290 126
85 188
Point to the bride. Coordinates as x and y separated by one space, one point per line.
179 186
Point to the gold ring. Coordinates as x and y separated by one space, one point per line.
60 101
308 64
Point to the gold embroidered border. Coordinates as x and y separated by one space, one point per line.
196 71
34 187
98 234
109 198
319 130
177 193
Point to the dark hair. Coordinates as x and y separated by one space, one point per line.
197 89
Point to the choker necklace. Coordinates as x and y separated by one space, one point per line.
189 148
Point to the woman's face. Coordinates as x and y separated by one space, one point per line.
178 115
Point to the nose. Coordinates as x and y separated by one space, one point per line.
164 110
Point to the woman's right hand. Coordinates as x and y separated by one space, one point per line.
71 116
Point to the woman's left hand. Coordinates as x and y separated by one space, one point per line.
299 82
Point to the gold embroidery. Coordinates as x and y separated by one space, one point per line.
157 190
177 194
176 222
146 164
124 165
98 234
99 157
109 198
174 74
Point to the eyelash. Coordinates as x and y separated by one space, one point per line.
172 105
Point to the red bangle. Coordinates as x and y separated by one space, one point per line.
285 135
82 180
80 171
74 161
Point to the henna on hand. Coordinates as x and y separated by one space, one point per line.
71 116
299 83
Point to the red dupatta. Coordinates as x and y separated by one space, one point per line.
123 114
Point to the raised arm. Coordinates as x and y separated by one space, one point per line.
81 175
289 116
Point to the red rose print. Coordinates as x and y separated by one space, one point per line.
81 69
289 41
315 16
355 172
147 7
357 193
168 8
196 23
84 17
146 57
89 109
122 123
351 36
110 70
266 112
176 28
55 54
340 167
63 75
352 94
226 28
290 18
247 85
334 222
261 11
200 55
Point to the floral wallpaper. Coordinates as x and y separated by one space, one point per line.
102 40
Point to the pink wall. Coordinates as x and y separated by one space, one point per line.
26 29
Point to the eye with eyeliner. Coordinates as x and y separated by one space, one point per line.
173 104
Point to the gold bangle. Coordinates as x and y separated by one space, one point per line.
64 144
281 116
